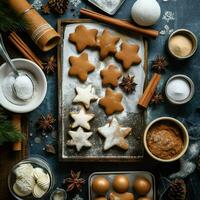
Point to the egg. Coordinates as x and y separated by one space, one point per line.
142 185
144 198
146 12
120 183
100 185
123 196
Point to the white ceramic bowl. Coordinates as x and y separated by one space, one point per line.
184 134
39 77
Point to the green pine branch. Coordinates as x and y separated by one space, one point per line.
10 20
8 133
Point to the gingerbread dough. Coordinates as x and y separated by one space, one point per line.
128 55
111 102
83 37
106 42
80 66
114 134
110 75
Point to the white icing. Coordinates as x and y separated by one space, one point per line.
114 134
85 95
79 139
81 119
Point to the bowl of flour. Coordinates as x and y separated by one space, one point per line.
8 98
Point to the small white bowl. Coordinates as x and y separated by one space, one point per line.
184 134
39 77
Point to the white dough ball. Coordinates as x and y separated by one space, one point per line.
146 12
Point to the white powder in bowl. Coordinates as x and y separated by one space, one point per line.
178 89
23 87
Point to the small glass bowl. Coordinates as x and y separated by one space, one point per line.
35 162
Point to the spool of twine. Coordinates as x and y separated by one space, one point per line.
41 32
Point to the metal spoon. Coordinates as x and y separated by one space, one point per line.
6 57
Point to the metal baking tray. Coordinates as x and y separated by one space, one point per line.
110 12
66 94
131 176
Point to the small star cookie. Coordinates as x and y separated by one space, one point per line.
83 37
106 42
114 134
110 75
79 139
85 95
128 55
80 66
111 102
81 119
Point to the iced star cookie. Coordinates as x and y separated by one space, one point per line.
106 42
79 139
83 37
85 95
111 102
114 135
82 119
128 55
110 75
80 66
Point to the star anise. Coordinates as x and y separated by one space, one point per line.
157 98
159 64
50 65
46 123
46 9
128 85
74 181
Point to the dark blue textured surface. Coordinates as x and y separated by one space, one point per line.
186 14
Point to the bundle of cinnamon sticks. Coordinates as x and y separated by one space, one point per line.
24 49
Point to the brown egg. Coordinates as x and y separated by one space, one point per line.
100 198
120 183
144 198
100 185
142 185
123 196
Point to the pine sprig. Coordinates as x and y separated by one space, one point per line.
7 131
10 20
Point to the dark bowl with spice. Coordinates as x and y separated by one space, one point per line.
182 44
166 139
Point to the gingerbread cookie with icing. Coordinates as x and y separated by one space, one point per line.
83 37
106 42
80 66
128 55
110 75
111 102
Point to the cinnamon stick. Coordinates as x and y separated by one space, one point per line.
149 91
16 120
24 49
120 23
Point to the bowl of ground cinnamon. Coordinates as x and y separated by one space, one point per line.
166 139
182 44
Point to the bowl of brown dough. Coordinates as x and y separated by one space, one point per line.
166 139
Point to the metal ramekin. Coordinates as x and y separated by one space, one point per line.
193 38
192 89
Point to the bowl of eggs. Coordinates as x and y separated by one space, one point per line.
122 185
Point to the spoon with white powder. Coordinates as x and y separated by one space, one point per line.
23 85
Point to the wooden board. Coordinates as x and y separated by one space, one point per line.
82 156
8 158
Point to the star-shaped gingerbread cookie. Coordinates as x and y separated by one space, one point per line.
85 95
80 66
79 139
111 102
82 119
114 134
83 37
110 75
106 42
128 55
